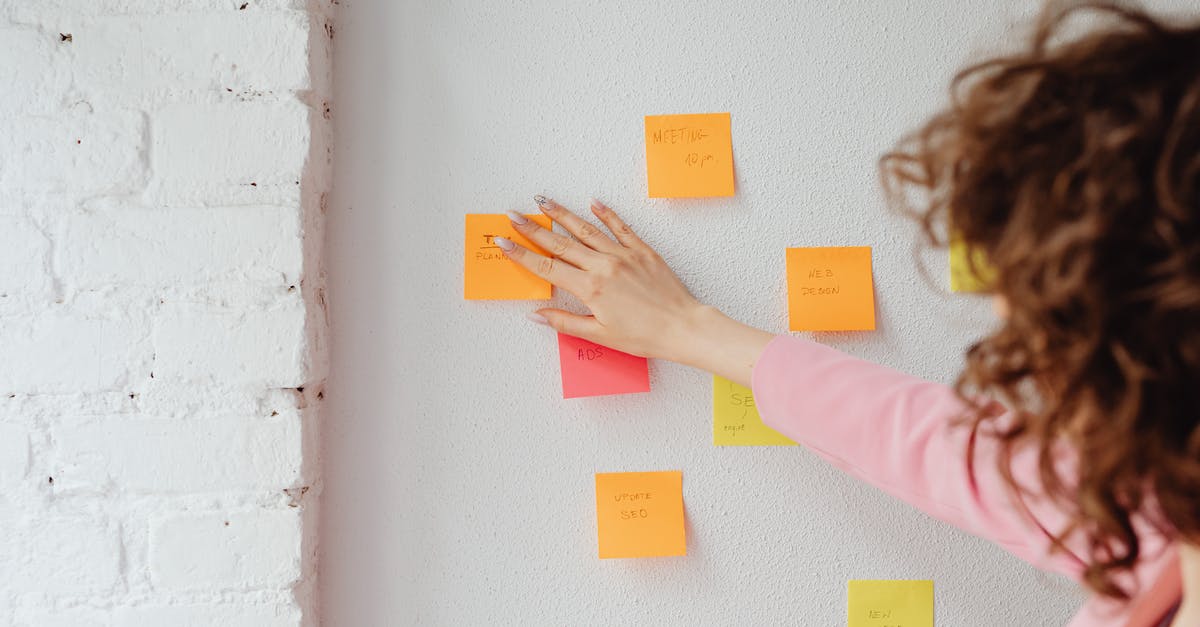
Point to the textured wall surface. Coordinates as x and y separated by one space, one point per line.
162 167
459 484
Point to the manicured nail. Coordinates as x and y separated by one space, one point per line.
538 318
543 202
504 243
516 218
597 206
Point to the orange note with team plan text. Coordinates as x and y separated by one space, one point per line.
830 289
487 273
689 155
640 514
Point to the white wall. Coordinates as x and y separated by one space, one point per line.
159 310
459 485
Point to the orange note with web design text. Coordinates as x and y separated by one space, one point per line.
830 289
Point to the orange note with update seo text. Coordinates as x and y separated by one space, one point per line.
640 514
689 156
830 289
487 273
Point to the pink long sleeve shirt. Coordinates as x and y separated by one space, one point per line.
896 432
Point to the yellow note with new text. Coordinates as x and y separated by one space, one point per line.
889 603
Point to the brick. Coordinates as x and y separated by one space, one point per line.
14 453
24 253
256 549
37 82
225 615
47 10
195 455
151 221
202 150
181 246
265 348
231 49
51 617
60 353
60 556
98 152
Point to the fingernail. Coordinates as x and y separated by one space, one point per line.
538 318
542 201
516 217
504 243
597 206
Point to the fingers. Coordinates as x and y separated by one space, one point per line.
620 230
584 327
583 230
553 270
558 245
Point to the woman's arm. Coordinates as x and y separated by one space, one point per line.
887 428
898 433
638 305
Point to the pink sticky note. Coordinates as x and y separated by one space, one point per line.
589 369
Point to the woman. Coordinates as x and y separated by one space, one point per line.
1074 169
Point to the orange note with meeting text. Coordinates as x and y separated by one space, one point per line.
689 155
830 289
640 514
487 273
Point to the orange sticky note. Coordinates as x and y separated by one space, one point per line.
689 155
830 289
488 274
589 369
640 514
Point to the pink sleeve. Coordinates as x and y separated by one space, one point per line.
894 431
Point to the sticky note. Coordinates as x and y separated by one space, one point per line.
901 603
689 155
640 514
589 369
488 274
735 418
830 289
962 278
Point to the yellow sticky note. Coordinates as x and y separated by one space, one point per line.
487 273
882 603
689 155
640 514
962 279
830 289
735 418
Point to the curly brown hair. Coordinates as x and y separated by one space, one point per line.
1073 167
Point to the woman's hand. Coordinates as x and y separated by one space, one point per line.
638 305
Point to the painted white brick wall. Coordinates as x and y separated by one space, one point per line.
162 173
